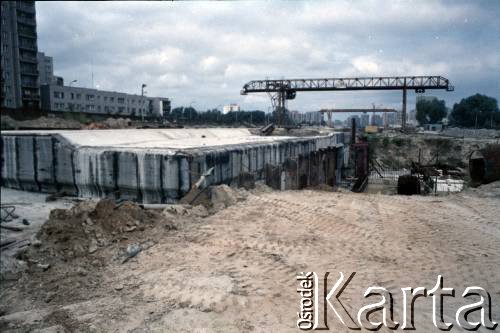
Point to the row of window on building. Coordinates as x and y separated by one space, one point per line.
91 97
75 107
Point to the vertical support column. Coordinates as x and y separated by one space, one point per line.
281 105
353 131
403 116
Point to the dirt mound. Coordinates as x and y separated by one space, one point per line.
83 229
491 190
223 196
65 260
216 198
110 123
9 123
185 210
49 123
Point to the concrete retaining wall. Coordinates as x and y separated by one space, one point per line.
47 162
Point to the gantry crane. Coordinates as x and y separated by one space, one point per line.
285 89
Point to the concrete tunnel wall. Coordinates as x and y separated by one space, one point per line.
49 163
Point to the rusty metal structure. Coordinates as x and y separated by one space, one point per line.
282 90
484 165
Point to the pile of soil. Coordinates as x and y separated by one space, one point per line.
9 123
110 123
491 190
216 198
84 229
66 259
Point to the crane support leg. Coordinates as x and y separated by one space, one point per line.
403 115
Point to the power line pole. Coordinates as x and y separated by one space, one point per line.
142 97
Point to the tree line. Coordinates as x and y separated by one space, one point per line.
476 111
189 115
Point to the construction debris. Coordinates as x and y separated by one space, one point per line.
9 123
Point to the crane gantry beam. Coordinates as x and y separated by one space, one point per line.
361 83
284 89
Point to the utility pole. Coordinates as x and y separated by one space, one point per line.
403 121
191 110
218 113
142 98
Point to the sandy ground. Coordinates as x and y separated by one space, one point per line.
235 271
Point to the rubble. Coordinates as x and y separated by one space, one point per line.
480 133
9 123
110 123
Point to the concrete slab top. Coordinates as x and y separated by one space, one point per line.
158 138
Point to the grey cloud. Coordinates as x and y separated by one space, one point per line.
206 51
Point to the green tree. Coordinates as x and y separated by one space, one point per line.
190 114
430 111
476 111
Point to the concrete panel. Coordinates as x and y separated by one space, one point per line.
171 177
64 169
128 176
107 177
44 150
27 163
9 162
149 172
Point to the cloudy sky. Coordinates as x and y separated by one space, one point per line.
202 53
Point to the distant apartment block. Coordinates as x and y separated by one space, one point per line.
412 117
365 120
20 86
310 118
376 120
390 119
60 98
357 120
230 108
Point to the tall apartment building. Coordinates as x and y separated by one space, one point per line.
45 69
20 87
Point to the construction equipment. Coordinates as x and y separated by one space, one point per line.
285 89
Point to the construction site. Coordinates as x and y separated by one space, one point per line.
206 229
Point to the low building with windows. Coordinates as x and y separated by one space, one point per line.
230 108
61 98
